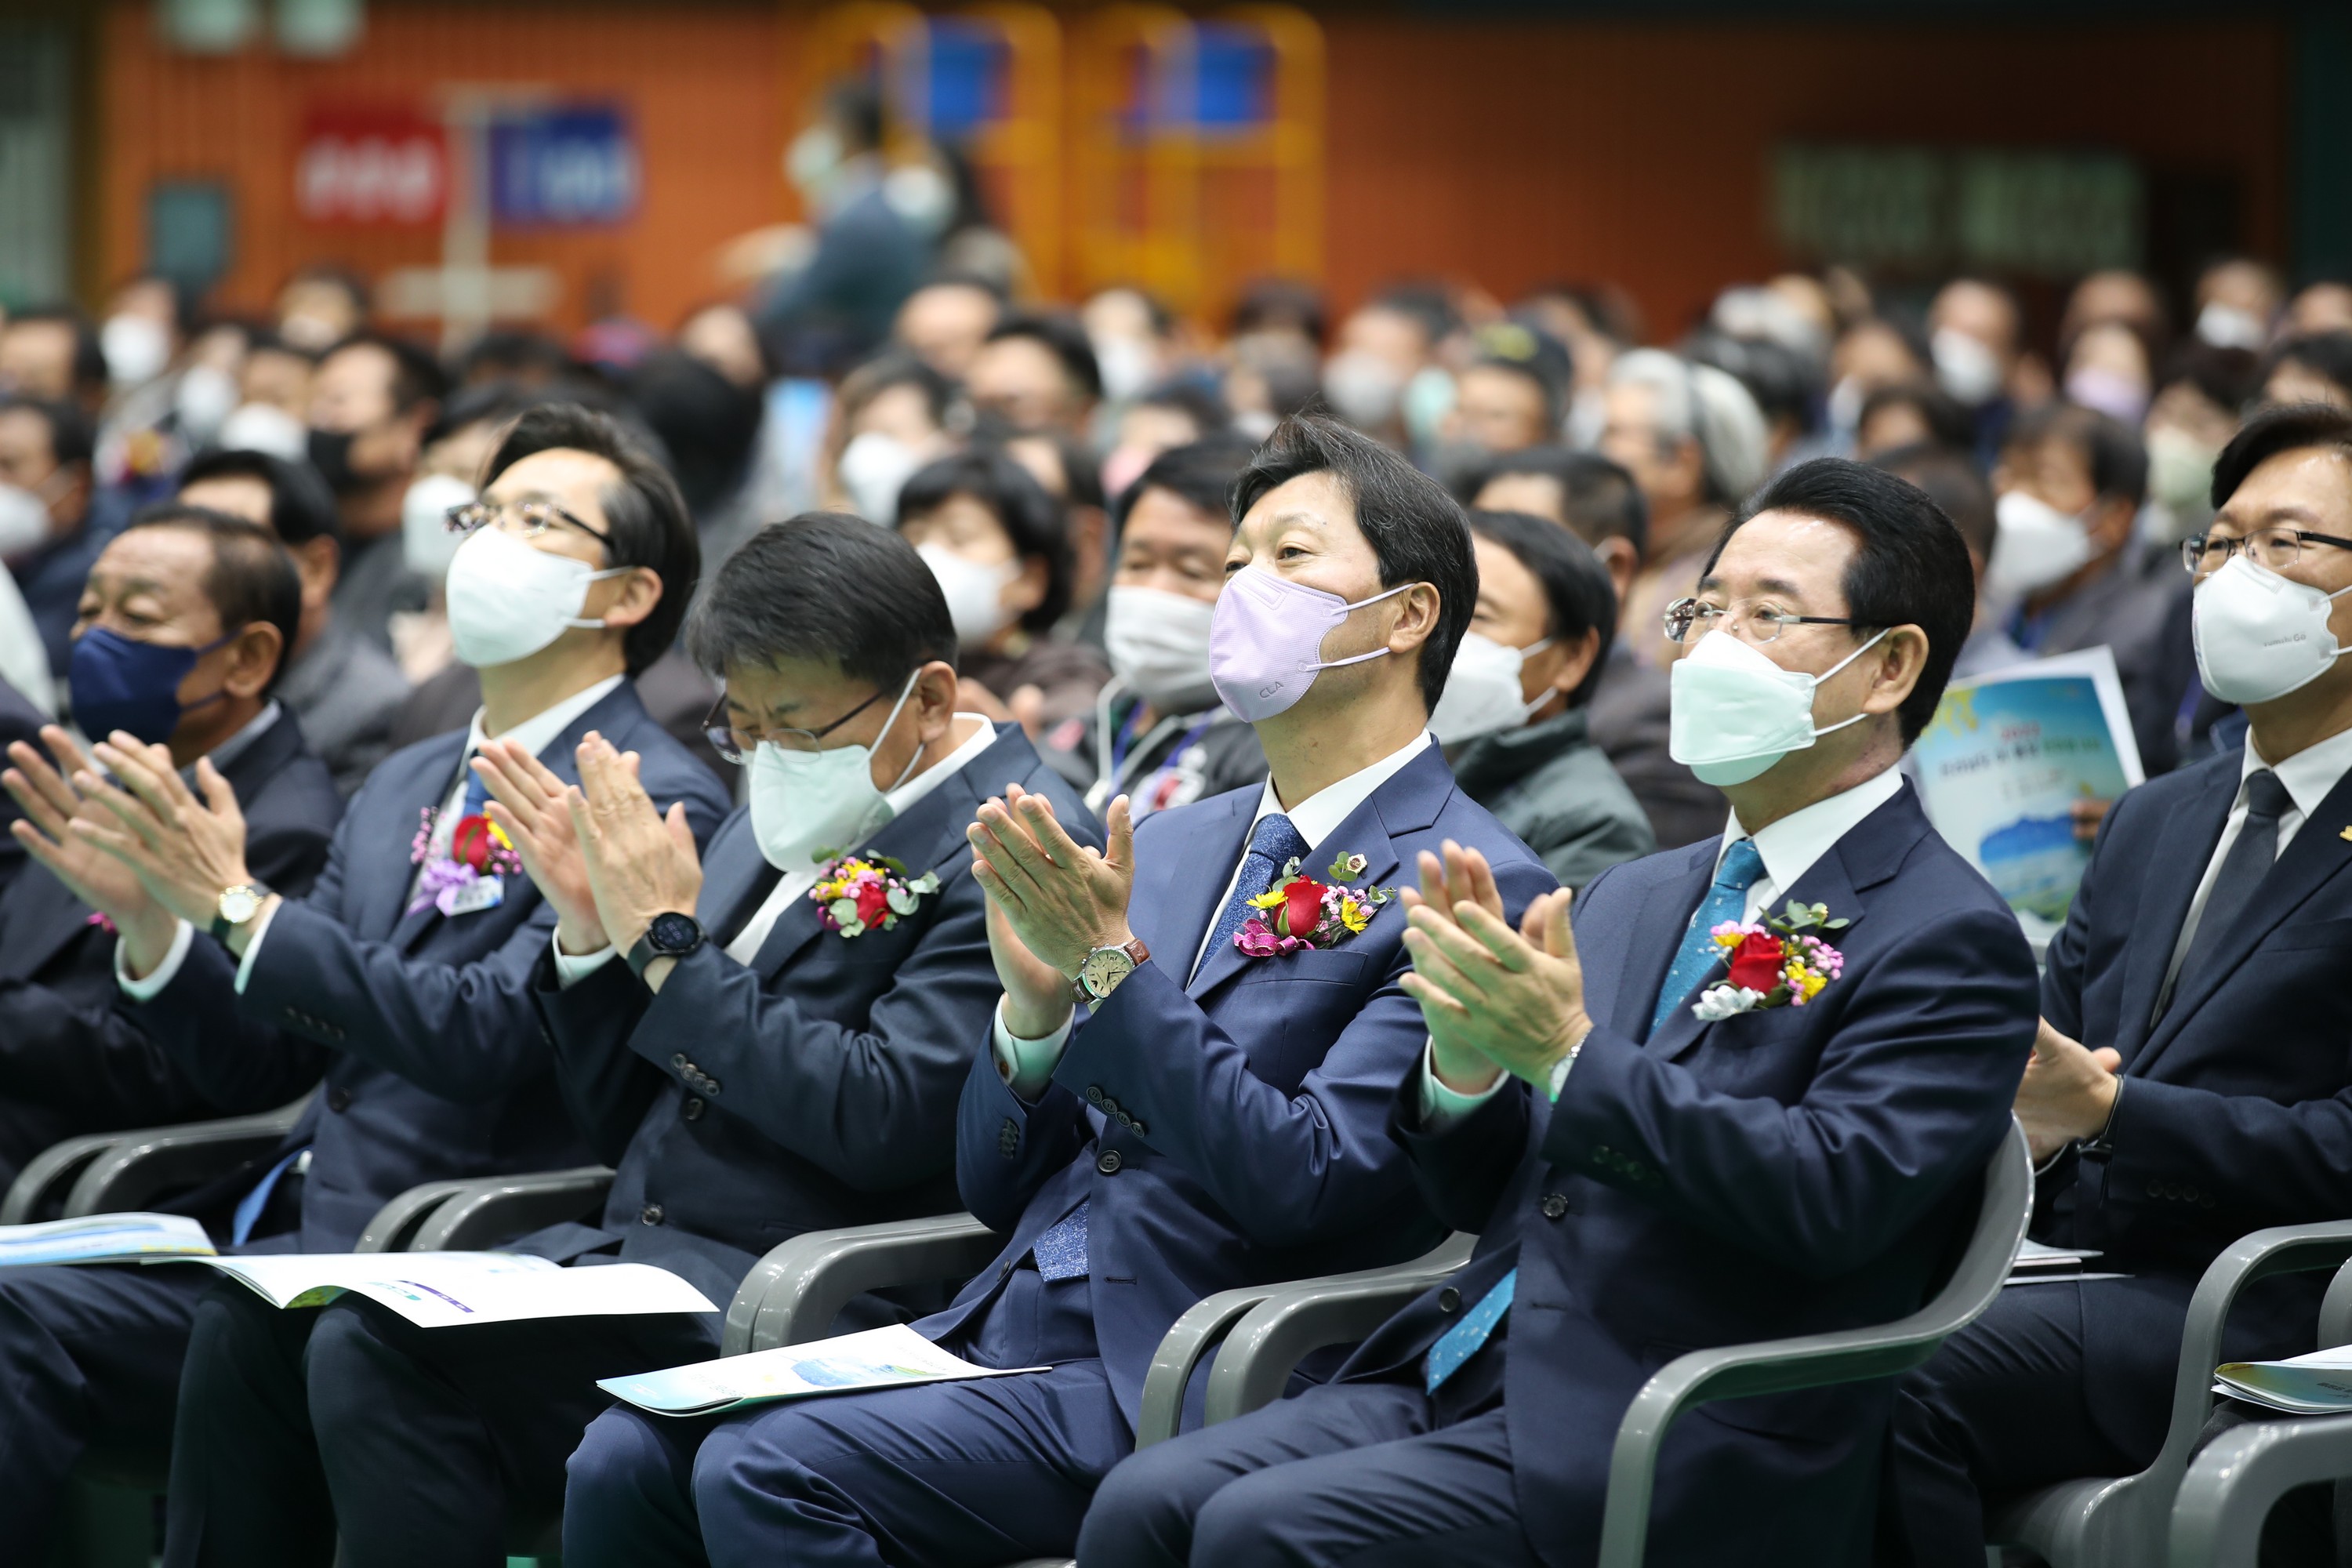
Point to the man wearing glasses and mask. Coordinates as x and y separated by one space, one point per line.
406 967
2189 1082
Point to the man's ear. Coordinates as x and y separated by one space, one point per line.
1418 608
319 563
253 656
634 598
1900 661
1621 562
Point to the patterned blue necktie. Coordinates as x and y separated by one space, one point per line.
1460 1342
1727 901
1274 844
1061 1252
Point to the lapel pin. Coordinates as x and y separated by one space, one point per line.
2346 835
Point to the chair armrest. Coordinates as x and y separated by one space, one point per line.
794 1294
1201 1328
2232 1485
39 1190
491 1213
395 1225
136 1168
2334 1310
1267 1346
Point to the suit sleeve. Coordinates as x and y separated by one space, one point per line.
606 1086
1006 1147
2266 1162
196 1021
2064 964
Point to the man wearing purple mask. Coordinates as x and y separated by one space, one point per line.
1217 1116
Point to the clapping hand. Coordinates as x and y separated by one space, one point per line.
528 804
2068 1092
187 850
639 863
1492 998
98 879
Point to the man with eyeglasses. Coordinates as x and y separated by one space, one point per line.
2189 1084
406 966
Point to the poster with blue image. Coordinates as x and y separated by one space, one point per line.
2003 763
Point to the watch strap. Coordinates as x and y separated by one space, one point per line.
642 954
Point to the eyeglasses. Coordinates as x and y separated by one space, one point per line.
2277 547
737 745
1686 616
535 517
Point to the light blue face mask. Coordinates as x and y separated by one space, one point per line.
806 805
1734 713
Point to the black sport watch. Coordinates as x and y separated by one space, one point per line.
671 935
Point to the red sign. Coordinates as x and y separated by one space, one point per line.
364 165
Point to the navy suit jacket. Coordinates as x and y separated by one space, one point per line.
438 1068
2236 1109
75 1056
815 1086
1231 1131
1786 1172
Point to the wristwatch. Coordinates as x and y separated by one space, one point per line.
1102 970
671 935
236 906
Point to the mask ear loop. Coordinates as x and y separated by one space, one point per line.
1832 669
597 625
1376 653
905 692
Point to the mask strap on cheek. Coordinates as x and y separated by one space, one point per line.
1361 658
598 625
893 719
1843 723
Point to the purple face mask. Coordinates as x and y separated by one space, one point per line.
1265 640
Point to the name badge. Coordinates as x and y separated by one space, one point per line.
471 897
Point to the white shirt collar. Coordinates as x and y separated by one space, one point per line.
2309 774
538 731
1790 847
1320 815
903 798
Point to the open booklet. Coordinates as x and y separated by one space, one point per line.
437 1289
103 1238
2319 1383
894 1357
2036 1264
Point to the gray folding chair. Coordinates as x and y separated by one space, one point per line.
2234 1480
2122 1522
113 1171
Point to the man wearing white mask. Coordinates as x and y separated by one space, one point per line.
1512 719
764 1041
2189 1084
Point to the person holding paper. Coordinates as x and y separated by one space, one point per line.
768 1040
405 968
1215 1119
2189 1082
1662 1151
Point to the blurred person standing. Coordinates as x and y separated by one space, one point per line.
1975 335
372 400
2190 419
891 418
1037 372
944 322
52 530
2237 302
273 392
867 258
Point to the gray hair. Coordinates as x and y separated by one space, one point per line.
1708 405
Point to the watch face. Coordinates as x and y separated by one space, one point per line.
1104 968
673 933
237 905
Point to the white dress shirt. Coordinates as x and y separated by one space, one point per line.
796 884
1788 848
1027 1063
535 734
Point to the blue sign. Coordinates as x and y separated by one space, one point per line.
570 165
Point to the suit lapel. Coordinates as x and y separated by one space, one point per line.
409 924
2194 826
736 880
1657 936
1194 875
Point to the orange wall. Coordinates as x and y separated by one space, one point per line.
1504 153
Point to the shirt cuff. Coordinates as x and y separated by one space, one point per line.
573 968
147 990
1027 1065
253 945
1442 1107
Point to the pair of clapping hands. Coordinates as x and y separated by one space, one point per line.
1495 1000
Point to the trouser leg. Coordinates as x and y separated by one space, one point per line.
245 1483
628 1493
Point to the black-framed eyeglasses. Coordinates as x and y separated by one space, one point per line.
535 516
2276 547
737 745
1688 618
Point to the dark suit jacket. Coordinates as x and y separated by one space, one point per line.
1778 1172
19 720
76 1055
1231 1130
815 1086
436 1067
2236 1110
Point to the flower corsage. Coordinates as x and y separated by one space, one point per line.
471 875
1303 912
856 894
1784 961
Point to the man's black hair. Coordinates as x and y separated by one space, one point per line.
2113 450
1911 567
497 400
644 513
1576 585
1274 303
302 507
1601 499
828 587
1202 404
2290 428
1200 474
89 354
1954 482
707 425
2328 355
855 106
1418 532
2223 376
252 577
1081 471
1061 335
966 277
1032 520
1949 424
416 375
72 437
508 353
1429 304
1784 383
895 367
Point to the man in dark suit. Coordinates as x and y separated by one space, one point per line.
1661 1154
19 722
757 1072
184 622
1216 1118
409 979
2190 1083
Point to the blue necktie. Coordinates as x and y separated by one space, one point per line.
1274 844
1460 1342
249 1208
478 793
1061 1252
1727 901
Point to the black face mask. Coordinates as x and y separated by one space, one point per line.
330 453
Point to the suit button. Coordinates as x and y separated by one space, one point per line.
1554 1205
2155 1190
1109 1162
1140 1129
650 1215
678 1059
339 1098
710 1086
1449 1299
691 1110
1094 1094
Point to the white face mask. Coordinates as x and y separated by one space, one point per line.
1364 388
137 347
1159 645
2034 545
24 521
2179 469
808 805
507 601
426 545
2260 635
975 593
265 427
206 395
1733 713
874 468
1483 689
1844 405
1127 366
2227 327
1964 366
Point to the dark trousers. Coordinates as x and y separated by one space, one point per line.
89 1356
412 1443
1357 1473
